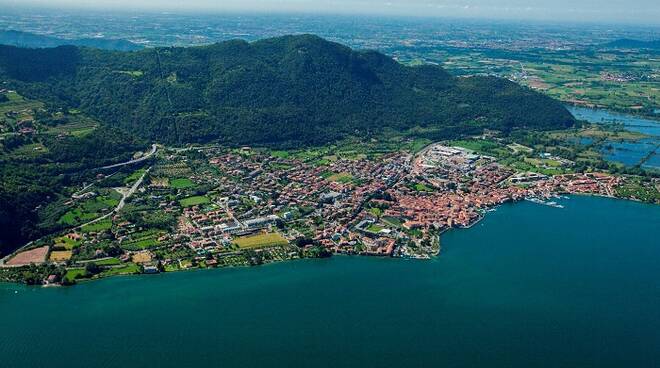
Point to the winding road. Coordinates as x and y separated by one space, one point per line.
122 202
154 148
124 195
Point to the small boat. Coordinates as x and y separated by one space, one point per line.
550 203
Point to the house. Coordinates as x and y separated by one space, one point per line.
151 269
73 236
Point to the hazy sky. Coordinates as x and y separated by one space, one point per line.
629 11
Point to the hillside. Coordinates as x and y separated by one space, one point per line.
287 90
31 40
634 44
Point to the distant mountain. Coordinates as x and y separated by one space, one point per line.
625 43
287 90
31 40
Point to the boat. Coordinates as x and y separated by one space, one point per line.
546 203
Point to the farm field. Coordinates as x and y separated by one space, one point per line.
142 257
60 255
37 255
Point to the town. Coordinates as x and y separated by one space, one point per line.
210 206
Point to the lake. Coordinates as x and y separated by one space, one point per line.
627 153
529 286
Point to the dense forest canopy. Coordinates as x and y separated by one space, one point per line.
292 89
27 185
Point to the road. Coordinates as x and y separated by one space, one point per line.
154 148
120 205
122 201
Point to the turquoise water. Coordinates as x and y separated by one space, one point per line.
627 153
530 286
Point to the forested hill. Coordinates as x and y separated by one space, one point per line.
292 89
634 44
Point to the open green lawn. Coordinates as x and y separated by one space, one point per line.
376 211
260 241
74 273
66 242
181 183
375 228
108 262
341 177
280 154
129 268
102 225
76 216
194 201
421 187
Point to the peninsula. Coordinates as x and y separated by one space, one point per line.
242 153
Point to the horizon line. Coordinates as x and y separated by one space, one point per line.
323 13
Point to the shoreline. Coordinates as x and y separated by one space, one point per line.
427 257
340 255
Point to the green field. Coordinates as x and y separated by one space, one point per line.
343 178
74 273
143 240
67 243
261 241
194 201
91 209
129 268
374 228
76 216
280 154
108 262
102 225
421 187
181 183
376 211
